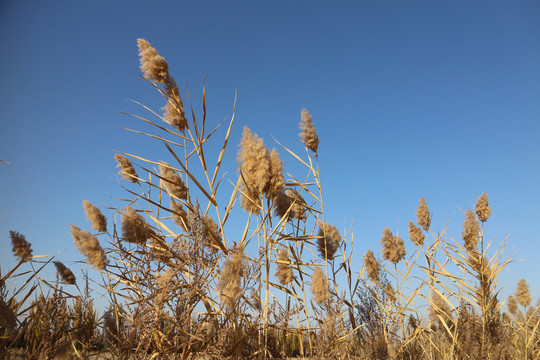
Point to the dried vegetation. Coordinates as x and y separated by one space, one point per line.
180 286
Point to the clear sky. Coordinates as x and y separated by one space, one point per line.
439 99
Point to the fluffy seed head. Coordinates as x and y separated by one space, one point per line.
66 274
126 168
512 305
229 288
172 182
522 293
308 135
415 234
153 65
98 220
21 248
179 215
390 293
284 271
372 266
328 245
174 109
134 228
276 180
290 199
423 215
249 200
393 247
211 231
89 246
254 161
471 228
483 211
319 286
480 264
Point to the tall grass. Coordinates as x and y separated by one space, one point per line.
180 286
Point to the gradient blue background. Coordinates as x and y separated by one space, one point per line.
439 99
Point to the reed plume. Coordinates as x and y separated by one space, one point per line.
67 275
210 231
290 199
284 271
415 234
393 247
319 286
522 293
179 215
229 288
372 266
512 305
482 209
255 169
134 228
156 68
172 182
153 65
89 246
471 228
423 215
174 109
21 248
276 180
328 245
390 293
164 284
308 135
126 168
96 218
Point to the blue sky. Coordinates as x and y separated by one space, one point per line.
410 99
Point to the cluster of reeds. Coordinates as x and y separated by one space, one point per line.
182 283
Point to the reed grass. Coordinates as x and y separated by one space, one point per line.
180 286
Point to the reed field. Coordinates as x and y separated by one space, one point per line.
179 286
